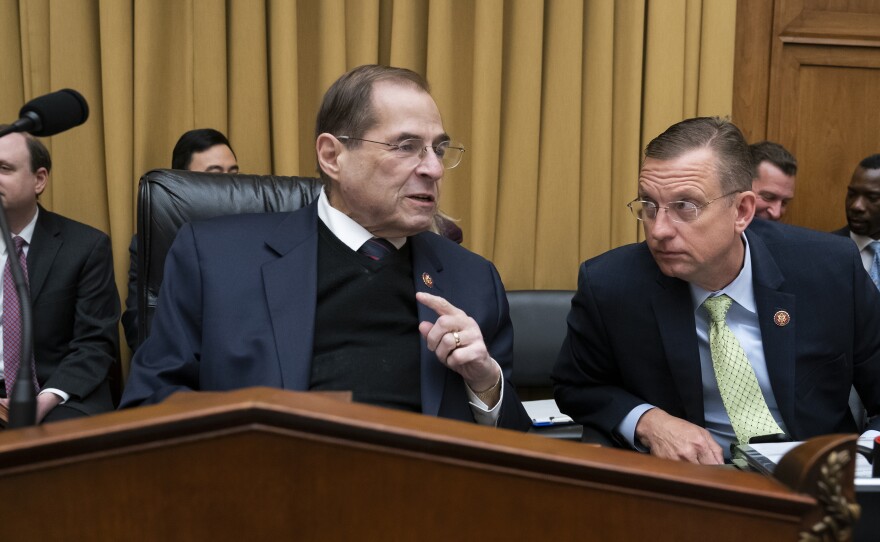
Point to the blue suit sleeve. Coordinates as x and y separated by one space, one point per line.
587 381
513 415
168 361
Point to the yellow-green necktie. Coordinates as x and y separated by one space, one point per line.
737 382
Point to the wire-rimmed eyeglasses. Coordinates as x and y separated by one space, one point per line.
679 211
415 149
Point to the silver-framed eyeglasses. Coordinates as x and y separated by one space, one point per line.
415 149
678 211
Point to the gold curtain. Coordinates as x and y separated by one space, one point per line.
553 99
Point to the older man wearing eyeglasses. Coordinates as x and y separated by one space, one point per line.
717 330
350 293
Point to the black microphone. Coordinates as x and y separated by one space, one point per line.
51 114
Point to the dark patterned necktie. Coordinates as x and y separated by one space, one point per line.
12 320
377 248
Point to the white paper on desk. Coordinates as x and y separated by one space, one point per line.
866 440
768 454
775 450
545 412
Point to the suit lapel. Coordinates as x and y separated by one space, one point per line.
428 277
778 340
675 318
45 245
291 285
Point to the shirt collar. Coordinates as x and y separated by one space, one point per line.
740 290
862 241
26 233
344 228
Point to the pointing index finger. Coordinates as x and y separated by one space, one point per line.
437 304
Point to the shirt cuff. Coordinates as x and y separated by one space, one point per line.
484 415
59 393
626 429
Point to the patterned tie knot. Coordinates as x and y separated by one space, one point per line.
717 307
875 248
19 244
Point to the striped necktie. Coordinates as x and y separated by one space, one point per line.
377 248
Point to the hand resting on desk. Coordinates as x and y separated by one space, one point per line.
669 437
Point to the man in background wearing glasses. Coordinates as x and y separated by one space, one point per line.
350 293
717 329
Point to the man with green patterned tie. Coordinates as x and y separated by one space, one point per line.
717 329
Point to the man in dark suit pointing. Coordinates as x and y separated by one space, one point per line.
717 329
350 293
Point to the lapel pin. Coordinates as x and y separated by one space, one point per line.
781 318
426 278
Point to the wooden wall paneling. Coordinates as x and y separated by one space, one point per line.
806 75
823 104
829 114
751 67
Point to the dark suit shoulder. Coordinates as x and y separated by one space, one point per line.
448 250
807 259
58 224
244 222
279 231
628 261
623 256
621 272
781 237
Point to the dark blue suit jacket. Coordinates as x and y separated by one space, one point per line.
237 309
631 335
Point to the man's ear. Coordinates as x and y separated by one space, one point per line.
745 209
42 179
328 149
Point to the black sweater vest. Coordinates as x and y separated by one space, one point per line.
366 326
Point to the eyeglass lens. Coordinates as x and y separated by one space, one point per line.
679 211
448 155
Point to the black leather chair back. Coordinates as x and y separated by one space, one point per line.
539 327
167 199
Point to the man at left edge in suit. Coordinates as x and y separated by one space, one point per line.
72 287
425 328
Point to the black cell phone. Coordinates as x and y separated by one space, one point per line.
768 439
